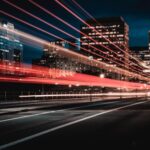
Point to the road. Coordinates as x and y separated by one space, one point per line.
116 124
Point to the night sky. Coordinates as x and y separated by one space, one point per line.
135 12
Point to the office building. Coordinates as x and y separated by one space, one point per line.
115 30
11 49
142 53
53 59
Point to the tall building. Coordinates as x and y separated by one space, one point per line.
114 29
143 53
143 56
53 59
11 49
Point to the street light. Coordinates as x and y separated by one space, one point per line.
102 75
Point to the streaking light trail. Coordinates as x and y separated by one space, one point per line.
88 14
87 24
74 28
43 75
104 83
81 58
49 24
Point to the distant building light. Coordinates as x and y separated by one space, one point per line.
45 50
102 75
5 25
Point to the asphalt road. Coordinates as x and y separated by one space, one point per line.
119 124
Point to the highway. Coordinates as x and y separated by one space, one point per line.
115 124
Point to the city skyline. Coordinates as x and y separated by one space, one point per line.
137 18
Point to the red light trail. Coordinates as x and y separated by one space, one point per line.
45 75
42 75
94 81
87 24
84 58
72 27
121 64
44 31
88 14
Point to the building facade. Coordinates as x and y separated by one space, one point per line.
142 53
109 36
53 59
143 56
11 49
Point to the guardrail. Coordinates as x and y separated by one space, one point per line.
69 96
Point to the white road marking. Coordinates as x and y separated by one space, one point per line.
64 125
48 112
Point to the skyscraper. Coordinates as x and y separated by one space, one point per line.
106 33
52 59
11 49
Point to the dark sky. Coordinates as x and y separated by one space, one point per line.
135 12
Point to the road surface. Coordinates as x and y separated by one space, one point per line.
116 124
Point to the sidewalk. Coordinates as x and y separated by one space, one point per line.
29 107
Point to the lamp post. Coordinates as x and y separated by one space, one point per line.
90 91
102 75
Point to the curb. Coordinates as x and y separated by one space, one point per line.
39 108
